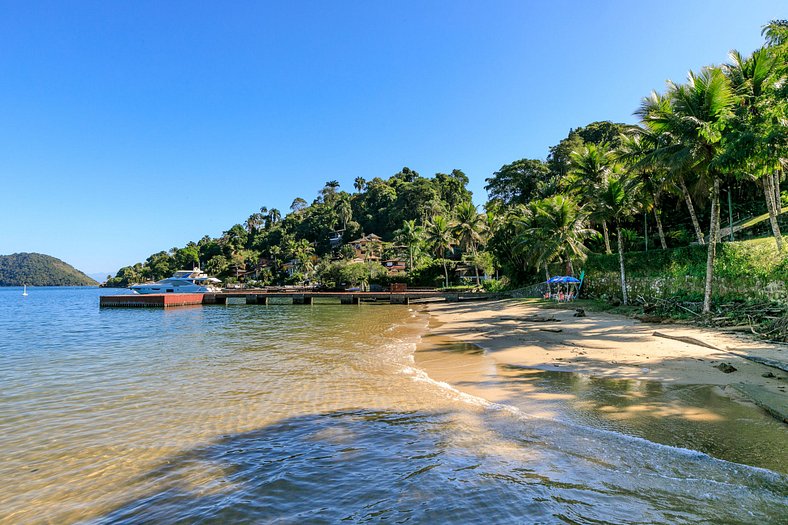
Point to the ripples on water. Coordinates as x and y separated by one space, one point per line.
305 414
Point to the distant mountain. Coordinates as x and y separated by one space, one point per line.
37 269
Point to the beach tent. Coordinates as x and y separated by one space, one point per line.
562 279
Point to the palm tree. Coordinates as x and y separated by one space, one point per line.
591 166
254 222
468 228
410 235
753 143
634 150
617 200
440 238
653 109
344 212
553 229
359 183
696 117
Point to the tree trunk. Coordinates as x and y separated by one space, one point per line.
718 211
410 252
772 207
446 272
607 238
777 196
659 229
547 278
476 268
712 249
621 264
691 208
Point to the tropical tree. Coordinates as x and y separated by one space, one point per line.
411 235
439 237
344 211
634 150
661 144
254 222
695 118
298 205
468 227
518 182
617 199
756 141
359 183
590 166
553 229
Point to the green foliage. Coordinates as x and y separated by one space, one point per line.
745 270
344 273
518 182
36 269
496 285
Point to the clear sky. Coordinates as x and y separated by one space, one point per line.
132 127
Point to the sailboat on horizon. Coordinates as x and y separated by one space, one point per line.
24 291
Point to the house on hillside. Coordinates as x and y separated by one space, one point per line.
335 238
394 266
367 248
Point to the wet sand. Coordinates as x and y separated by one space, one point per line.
602 346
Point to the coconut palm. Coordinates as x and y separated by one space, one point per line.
634 150
657 144
410 235
468 228
359 183
590 166
553 229
755 141
618 199
695 119
441 240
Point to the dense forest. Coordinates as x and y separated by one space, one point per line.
36 269
707 153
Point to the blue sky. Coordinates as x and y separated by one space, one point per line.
129 128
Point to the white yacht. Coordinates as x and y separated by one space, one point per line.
182 281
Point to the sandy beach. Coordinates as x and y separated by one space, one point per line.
519 335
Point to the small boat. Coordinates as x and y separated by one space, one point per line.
24 291
182 281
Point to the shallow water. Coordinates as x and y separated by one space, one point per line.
307 414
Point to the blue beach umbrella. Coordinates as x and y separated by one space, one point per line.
562 279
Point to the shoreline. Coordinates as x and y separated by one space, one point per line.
520 334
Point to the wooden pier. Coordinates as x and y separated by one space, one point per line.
295 297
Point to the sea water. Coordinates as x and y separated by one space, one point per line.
308 414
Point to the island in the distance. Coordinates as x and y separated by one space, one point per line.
37 269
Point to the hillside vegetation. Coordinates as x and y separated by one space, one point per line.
748 270
37 269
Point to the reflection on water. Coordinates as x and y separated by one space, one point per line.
309 414
698 417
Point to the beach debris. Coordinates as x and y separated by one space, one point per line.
726 368
580 312
757 359
645 370
554 330
686 339
768 374
532 319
